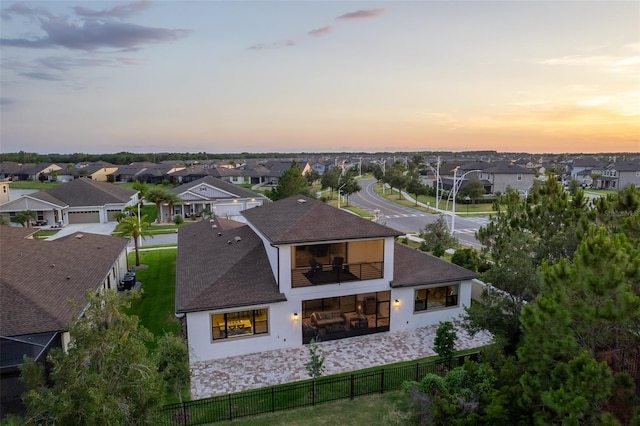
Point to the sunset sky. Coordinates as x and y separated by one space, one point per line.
320 76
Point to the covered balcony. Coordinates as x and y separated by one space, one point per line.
320 264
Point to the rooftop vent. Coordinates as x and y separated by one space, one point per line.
79 236
229 242
219 234
301 201
238 239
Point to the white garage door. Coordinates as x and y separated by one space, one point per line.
224 210
111 215
84 217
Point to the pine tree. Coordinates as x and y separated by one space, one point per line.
586 308
290 183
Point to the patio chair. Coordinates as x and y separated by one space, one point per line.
337 263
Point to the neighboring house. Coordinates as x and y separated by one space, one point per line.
301 270
578 165
78 201
258 174
130 172
156 173
98 171
617 175
504 175
33 171
277 169
209 193
189 174
43 286
11 170
322 166
232 175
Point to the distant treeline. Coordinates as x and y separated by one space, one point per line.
119 158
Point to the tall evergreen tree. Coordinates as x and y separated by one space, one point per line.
105 377
290 183
587 308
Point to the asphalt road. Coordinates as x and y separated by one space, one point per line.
409 220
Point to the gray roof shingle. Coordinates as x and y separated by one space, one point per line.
238 191
39 279
413 267
217 271
86 192
301 219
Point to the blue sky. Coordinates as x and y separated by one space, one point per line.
236 76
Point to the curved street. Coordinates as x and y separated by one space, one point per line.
409 220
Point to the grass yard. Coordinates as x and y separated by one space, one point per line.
389 409
156 306
32 184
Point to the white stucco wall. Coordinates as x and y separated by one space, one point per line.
403 317
283 332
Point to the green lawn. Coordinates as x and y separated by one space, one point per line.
32 184
156 306
461 208
389 409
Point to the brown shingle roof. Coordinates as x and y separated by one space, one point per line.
413 267
302 219
86 192
38 279
212 273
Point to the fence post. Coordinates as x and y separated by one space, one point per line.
352 385
382 380
184 413
313 392
417 371
230 410
273 400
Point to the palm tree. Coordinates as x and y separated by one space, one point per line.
158 196
172 198
29 217
134 228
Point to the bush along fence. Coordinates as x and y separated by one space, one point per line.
300 394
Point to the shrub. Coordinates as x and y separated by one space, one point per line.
178 220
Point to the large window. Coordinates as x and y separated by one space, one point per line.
239 324
436 298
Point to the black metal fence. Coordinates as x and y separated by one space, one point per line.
299 394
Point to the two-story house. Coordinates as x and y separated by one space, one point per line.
300 269
503 175
616 175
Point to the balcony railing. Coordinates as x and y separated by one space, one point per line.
327 274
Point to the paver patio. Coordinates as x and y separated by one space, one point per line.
235 374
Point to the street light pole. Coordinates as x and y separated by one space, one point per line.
340 189
453 211
456 185
439 185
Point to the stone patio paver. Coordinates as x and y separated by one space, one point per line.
239 373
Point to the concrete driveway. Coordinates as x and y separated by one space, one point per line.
90 228
107 229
